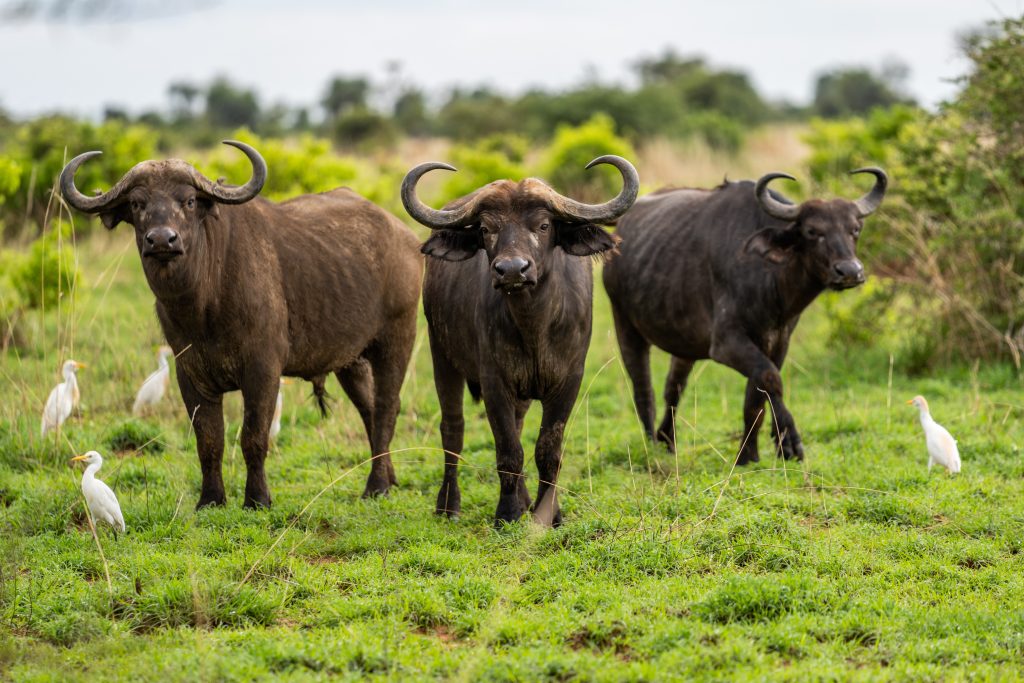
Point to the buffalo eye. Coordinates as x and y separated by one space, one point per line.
816 235
137 205
544 227
190 203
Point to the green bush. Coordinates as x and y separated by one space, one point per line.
40 149
564 165
495 158
951 231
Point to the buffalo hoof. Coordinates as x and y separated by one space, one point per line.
509 511
254 502
668 438
449 501
790 447
376 488
748 456
211 500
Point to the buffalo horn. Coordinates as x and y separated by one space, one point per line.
610 210
772 206
870 202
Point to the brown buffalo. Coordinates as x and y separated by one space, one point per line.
248 290
507 295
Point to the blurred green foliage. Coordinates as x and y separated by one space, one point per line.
39 278
951 231
565 161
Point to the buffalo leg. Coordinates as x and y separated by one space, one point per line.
788 440
636 356
741 354
389 361
548 453
675 385
450 387
259 393
207 416
514 499
357 381
753 417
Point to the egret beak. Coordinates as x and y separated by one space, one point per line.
79 366
287 380
79 457
910 402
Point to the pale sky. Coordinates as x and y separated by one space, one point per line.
288 50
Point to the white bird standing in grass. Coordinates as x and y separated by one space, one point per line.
102 502
63 398
152 390
275 424
942 448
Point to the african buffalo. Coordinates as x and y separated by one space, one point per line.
248 290
725 274
513 319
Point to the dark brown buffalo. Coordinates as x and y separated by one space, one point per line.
507 295
725 274
248 290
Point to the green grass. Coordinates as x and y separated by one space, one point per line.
856 564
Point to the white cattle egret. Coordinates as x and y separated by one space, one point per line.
102 502
153 389
275 424
942 448
63 398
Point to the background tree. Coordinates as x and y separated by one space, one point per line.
230 106
848 91
343 94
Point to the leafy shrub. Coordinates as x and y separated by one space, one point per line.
574 147
40 149
951 231
495 158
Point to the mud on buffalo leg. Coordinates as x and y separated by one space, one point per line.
389 358
357 382
548 452
675 385
741 354
207 416
636 356
450 387
514 499
259 394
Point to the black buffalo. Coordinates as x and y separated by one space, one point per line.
725 274
248 290
508 298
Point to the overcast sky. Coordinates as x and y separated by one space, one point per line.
288 50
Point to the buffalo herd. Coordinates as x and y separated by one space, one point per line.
249 290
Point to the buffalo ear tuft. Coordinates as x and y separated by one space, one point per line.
453 245
772 245
586 239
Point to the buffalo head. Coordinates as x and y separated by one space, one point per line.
518 224
166 201
822 232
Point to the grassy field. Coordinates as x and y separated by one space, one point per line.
855 564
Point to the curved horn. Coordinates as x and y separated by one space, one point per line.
432 218
612 209
870 202
83 202
772 206
229 194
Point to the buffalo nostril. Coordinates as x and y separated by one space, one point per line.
149 239
173 238
524 267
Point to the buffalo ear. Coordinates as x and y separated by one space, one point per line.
772 245
453 245
585 239
115 215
